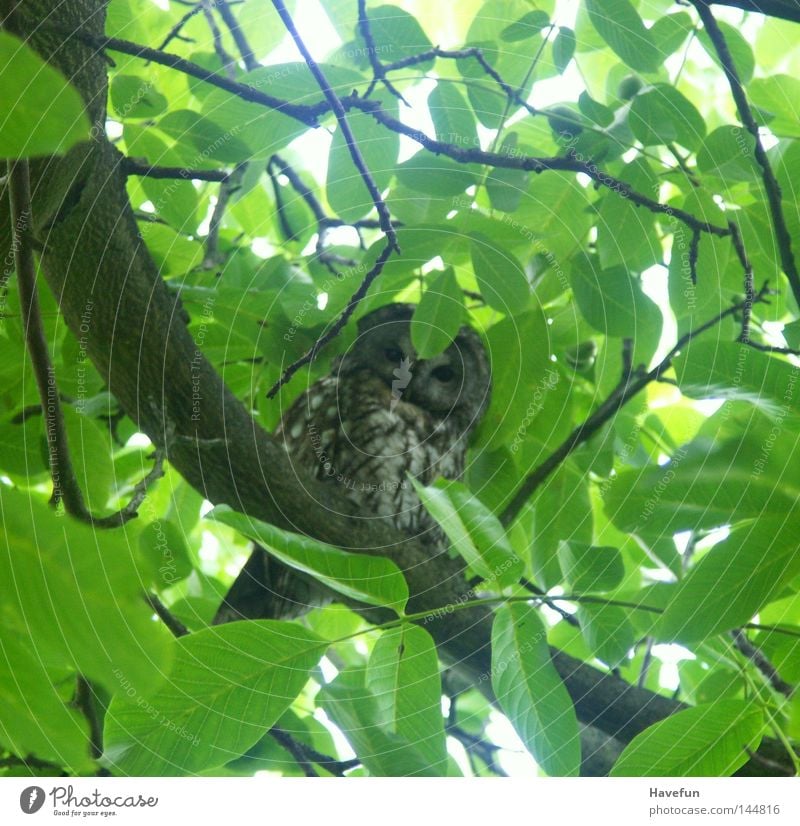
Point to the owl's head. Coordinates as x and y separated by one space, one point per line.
454 383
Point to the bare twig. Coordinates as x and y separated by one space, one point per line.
86 703
177 628
749 287
242 44
378 71
227 61
337 326
529 163
212 256
646 660
341 118
175 32
476 745
771 185
694 254
308 115
761 662
622 394
570 619
308 754
130 166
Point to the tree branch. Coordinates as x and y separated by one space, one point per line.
621 395
771 186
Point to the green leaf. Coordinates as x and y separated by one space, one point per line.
727 153
777 94
36 718
733 580
530 692
502 281
706 741
729 370
562 510
347 193
669 32
476 533
375 580
563 48
396 33
354 709
452 116
403 674
40 112
614 304
619 24
201 138
247 673
591 567
662 115
439 176
163 547
608 632
438 316
77 598
136 97
739 48
528 25
707 484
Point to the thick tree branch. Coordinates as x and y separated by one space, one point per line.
783 9
771 186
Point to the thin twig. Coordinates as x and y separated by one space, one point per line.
308 115
529 163
130 166
86 703
749 287
340 322
177 628
175 31
378 71
227 60
570 619
771 185
242 44
65 483
212 256
622 394
761 662
330 764
341 118
694 254
474 744
294 748
646 660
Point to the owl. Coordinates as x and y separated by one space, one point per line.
380 416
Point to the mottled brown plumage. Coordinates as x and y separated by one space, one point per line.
379 415
383 413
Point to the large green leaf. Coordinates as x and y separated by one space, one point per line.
661 115
591 567
375 580
438 316
734 580
403 674
475 532
619 24
500 276
40 113
74 596
354 709
347 192
229 685
452 116
706 741
530 692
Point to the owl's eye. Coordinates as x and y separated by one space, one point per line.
393 354
443 374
